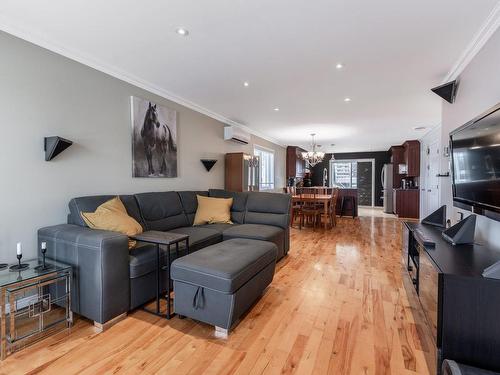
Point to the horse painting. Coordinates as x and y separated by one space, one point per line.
154 146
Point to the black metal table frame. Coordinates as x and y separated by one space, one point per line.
167 298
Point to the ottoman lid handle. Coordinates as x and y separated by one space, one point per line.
198 298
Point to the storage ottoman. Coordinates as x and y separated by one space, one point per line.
219 283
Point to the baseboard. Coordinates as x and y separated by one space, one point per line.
101 327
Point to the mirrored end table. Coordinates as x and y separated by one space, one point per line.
34 303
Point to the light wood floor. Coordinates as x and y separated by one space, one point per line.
337 305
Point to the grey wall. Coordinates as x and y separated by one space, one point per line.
42 94
479 90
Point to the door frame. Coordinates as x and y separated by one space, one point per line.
437 144
431 138
330 167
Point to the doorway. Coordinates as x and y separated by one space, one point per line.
355 174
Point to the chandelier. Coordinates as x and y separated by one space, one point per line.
313 157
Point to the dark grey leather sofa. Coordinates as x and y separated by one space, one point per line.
110 280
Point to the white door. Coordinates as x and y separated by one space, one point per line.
431 180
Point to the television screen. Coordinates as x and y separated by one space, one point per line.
475 151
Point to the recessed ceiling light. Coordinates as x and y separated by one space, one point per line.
339 66
246 84
276 109
182 31
420 128
347 100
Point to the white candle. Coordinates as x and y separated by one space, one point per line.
19 251
44 245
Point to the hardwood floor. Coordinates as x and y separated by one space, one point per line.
337 305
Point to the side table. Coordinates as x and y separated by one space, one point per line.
34 302
167 239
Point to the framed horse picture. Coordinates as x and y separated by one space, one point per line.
154 139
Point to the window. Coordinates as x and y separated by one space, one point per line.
345 174
266 167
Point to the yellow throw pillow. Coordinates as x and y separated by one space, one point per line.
213 210
112 215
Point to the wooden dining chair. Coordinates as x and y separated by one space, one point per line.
323 190
309 209
333 207
295 209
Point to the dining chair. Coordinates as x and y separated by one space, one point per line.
333 207
309 209
294 212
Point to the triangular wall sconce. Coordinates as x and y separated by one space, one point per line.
53 146
208 163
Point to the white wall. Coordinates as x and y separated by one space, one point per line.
43 94
479 90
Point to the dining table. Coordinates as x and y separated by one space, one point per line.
323 199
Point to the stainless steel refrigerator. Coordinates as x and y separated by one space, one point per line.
387 191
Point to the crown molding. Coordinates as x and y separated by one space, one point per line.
125 76
487 29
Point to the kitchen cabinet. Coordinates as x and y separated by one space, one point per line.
397 157
412 158
406 203
295 165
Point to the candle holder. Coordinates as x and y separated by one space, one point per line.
20 266
43 266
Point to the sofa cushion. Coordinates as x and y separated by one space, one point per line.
142 259
112 215
199 237
226 266
190 203
219 227
268 208
239 203
161 211
213 210
90 204
257 232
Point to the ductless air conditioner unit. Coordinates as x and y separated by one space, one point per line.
235 134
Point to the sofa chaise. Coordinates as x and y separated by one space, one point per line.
109 280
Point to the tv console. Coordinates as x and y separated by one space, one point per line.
461 306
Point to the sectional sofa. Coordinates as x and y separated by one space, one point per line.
109 280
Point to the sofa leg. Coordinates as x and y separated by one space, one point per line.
221 333
101 327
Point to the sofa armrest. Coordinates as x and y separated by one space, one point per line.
100 260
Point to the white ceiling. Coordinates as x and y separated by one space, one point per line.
394 51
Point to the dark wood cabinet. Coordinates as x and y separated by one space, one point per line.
408 154
412 158
428 281
407 203
295 165
397 157
239 174
459 304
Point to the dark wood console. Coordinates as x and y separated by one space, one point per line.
461 307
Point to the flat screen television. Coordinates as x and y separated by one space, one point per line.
475 153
